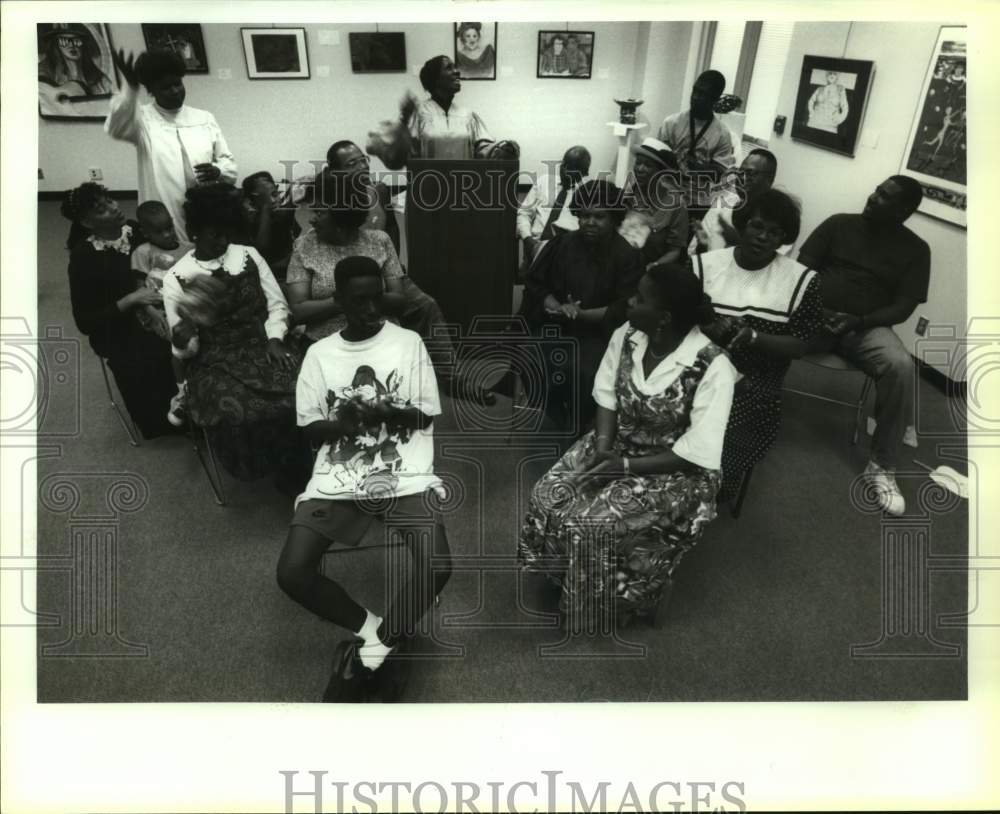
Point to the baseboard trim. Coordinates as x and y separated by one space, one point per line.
950 387
117 194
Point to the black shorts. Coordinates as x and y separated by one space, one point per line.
347 521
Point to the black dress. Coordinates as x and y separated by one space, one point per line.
597 276
139 360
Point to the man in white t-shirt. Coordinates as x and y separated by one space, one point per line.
367 397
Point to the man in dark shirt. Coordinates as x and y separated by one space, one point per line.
873 272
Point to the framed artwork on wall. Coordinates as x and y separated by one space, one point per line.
830 102
275 53
379 52
565 54
76 75
184 39
476 50
935 152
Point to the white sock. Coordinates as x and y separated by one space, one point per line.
373 652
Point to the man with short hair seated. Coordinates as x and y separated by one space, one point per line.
755 176
873 273
367 396
346 156
656 219
545 210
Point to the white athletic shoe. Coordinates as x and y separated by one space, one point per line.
909 434
884 483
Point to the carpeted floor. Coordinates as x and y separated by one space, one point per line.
767 608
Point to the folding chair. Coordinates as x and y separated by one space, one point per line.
831 361
206 458
123 417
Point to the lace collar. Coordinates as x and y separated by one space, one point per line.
122 243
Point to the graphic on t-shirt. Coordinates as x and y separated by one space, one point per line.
371 457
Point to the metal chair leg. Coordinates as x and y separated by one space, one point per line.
865 390
126 422
213 474
737 506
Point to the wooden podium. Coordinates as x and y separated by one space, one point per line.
461 235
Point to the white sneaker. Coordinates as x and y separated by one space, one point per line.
884 483
909 434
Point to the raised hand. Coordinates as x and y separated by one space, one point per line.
126 66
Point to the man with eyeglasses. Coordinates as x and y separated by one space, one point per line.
755 176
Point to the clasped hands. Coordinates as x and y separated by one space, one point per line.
599 467
356 414
839 323
567 310
729 333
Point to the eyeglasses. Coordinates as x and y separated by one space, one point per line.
771 232
68 41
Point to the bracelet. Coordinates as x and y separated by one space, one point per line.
753 337
605 437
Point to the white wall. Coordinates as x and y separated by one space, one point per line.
268 120
829 183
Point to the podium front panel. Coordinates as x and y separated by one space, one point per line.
461 235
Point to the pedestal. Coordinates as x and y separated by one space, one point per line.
626 134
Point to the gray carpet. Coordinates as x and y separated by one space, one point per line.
767 608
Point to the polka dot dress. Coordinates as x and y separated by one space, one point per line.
782 299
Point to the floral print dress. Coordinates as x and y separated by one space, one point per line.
622 540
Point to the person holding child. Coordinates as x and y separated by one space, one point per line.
240 371
177 146
152 260
107 296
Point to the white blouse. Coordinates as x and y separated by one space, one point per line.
702 443
233 262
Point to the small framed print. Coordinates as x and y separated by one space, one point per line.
565 54
184 39
476 50
379 52
275 53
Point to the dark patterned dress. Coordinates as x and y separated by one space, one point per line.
781 299
245 401
622 540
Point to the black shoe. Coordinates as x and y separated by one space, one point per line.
387 684
349 677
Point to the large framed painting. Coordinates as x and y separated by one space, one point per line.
184 39
76 75
830 103
565 54
476 50
935 150
275 53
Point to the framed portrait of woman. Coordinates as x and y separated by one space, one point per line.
476 50
76 75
